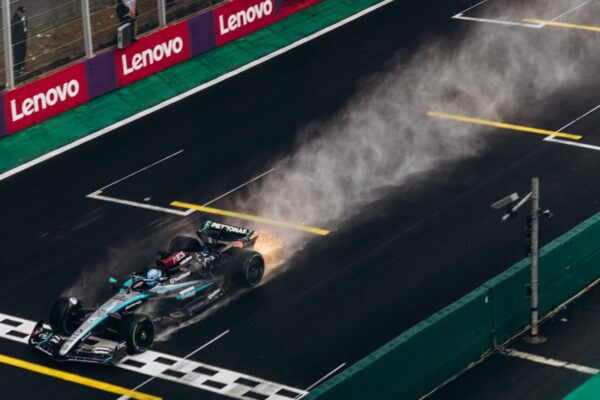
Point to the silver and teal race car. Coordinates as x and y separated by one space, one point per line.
189 276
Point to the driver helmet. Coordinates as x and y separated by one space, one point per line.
155 274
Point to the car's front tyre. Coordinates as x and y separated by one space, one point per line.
138 331
65 315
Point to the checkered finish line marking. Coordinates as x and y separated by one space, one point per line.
176 369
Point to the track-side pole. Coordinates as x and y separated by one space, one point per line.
162 13
535 230
8 50
87 28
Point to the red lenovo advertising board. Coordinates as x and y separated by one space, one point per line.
153 53
240 17
45 98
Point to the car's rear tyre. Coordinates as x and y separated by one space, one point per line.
138 331
184 243
65 315
248 267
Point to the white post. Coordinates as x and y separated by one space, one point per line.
8 50
162 13
87 28
535 229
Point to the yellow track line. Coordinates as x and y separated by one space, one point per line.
81 380
564 25
248 217
502 125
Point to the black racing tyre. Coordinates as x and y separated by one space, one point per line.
248 266
65 315
138 331
184 243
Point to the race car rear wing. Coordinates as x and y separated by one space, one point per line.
226 234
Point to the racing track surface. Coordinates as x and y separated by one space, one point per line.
403 258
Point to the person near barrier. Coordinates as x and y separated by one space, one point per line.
19 38
126 15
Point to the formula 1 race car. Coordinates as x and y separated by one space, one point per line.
189 276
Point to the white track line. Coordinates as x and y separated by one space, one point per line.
191 92
498 21
460 15
470 8
205 345
571 10
551 362
575 144
239 187
553 139
550 138
336 369
141 170
97 196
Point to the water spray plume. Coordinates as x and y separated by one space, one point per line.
383 137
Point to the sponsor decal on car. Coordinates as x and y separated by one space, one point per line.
180 277
238 18
229 228
187 293
137 303
45 98
153 53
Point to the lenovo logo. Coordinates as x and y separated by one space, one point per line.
150 56
245 17
42 101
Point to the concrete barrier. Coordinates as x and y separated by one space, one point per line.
438 348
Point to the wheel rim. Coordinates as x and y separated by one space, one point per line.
255 271
144 335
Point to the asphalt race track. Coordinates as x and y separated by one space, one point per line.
344 295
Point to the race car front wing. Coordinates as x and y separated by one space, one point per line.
94 350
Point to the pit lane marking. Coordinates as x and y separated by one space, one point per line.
564 25
550 361
253 218
501 125
74 378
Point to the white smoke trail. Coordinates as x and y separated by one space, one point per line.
382 138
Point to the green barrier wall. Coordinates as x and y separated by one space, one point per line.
438 348
590 390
